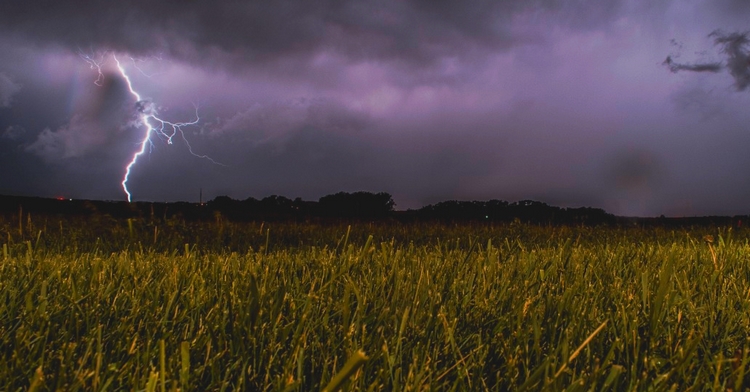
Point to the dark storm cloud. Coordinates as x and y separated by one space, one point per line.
417 32
706 67
258 31
13 132
561 100
735 47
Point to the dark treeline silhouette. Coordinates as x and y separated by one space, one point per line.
357 205
363 205
343 206
528 211
353 206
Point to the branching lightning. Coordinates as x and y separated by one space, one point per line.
148 117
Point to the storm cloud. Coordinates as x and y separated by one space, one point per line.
7 89
735 47
707 67
413 31
562 101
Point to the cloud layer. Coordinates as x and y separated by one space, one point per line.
556 100
7 89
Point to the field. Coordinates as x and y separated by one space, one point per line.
96 303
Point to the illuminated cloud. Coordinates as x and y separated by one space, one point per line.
72 140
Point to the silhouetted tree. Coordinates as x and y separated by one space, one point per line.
357 205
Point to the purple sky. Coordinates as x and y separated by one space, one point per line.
565 102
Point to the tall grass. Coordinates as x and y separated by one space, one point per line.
137 305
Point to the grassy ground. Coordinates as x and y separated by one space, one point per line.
99 304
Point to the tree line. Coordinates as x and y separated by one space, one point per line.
339 206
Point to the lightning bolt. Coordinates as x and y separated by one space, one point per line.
148 117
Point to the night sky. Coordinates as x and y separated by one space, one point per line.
637 107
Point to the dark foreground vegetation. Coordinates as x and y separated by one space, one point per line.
163 301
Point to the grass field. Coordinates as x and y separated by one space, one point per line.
156 305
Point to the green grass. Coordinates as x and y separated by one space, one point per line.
99 304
